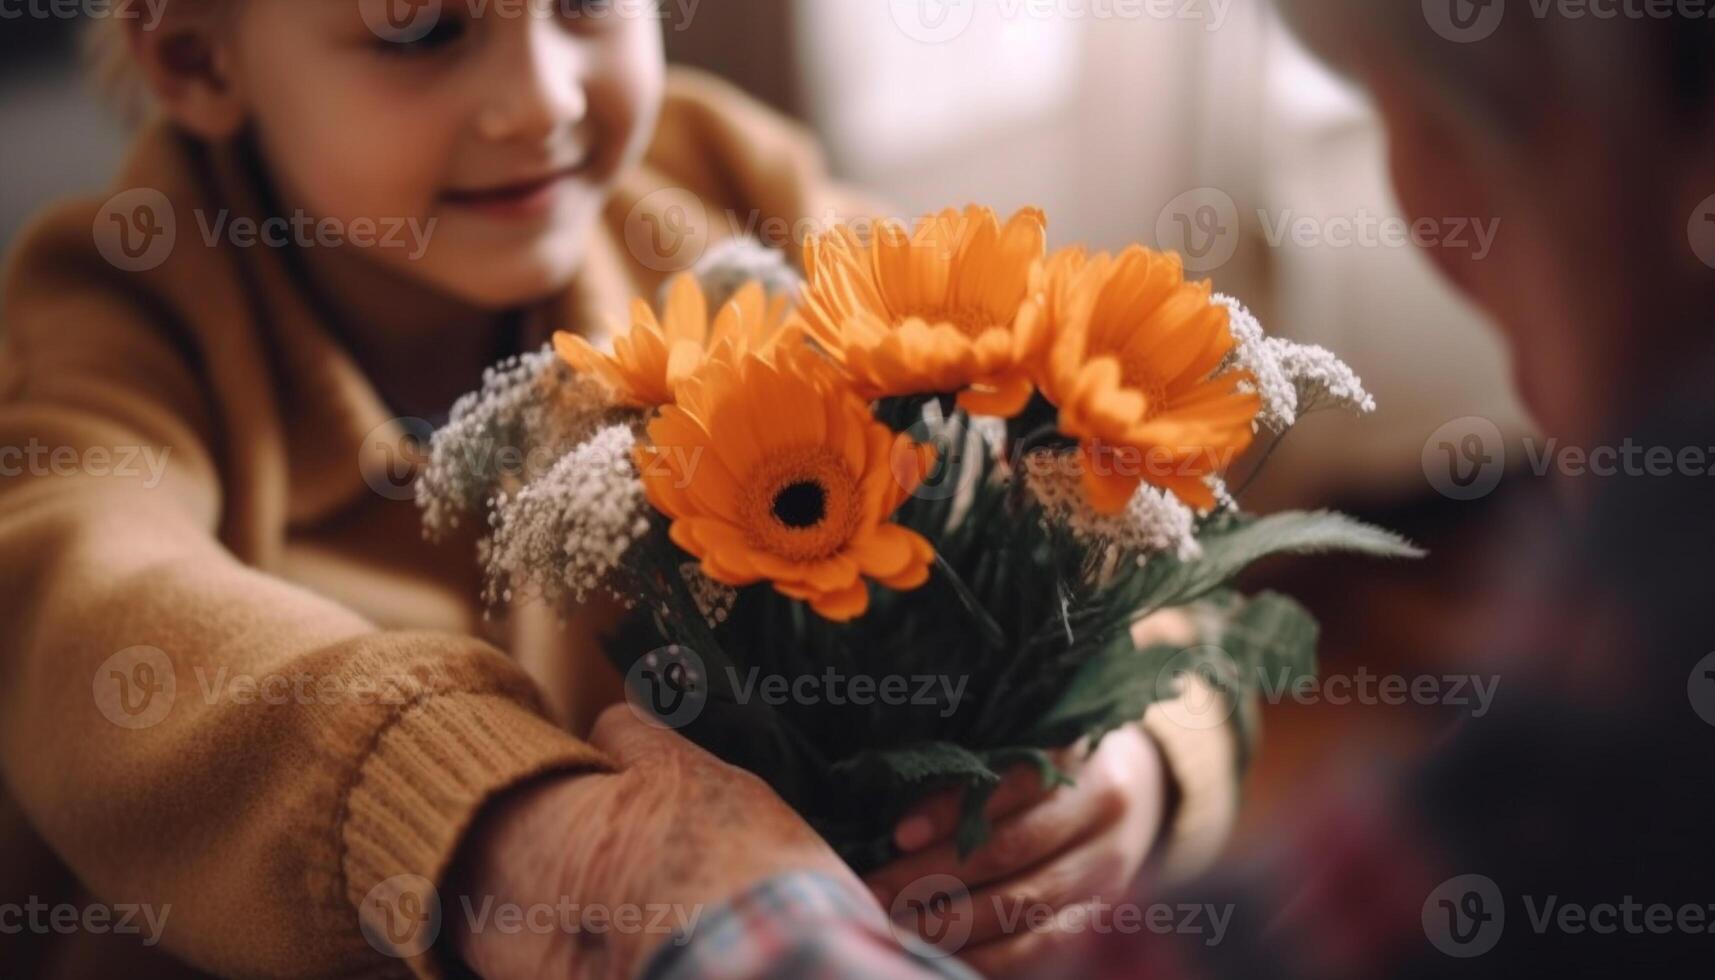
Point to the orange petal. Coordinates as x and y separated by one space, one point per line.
843 606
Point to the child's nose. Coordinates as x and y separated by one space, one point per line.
542 89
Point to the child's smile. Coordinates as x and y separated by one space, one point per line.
530 196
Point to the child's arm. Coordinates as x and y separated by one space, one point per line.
130 632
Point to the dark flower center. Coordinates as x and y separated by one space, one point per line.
801 505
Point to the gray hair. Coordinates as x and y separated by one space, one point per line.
1656 68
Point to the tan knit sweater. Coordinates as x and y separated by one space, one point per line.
234 681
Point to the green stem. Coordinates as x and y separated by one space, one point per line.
993 635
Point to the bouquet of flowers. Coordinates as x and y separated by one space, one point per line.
887 527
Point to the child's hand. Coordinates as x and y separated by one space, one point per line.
1046 852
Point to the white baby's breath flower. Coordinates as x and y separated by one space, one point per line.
564 534
714 599
1154 522
1252 353
1322 380
728 265
529 412
1292 379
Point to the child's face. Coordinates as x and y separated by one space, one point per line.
504 124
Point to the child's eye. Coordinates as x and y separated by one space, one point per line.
445 32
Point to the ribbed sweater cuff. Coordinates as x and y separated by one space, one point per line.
416 793
1201 750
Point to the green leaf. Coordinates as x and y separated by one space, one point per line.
1270 640
1110 689
919 763
1275 634
1227 552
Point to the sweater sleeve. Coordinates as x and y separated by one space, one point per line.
186 731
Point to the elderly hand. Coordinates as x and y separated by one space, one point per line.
674 831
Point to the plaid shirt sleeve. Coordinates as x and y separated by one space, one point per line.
802 926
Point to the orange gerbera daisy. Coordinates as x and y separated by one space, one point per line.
941 309
1132 371
650 361
770 467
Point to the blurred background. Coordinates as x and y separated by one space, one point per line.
1190 124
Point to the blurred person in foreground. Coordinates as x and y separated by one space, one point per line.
1571 831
